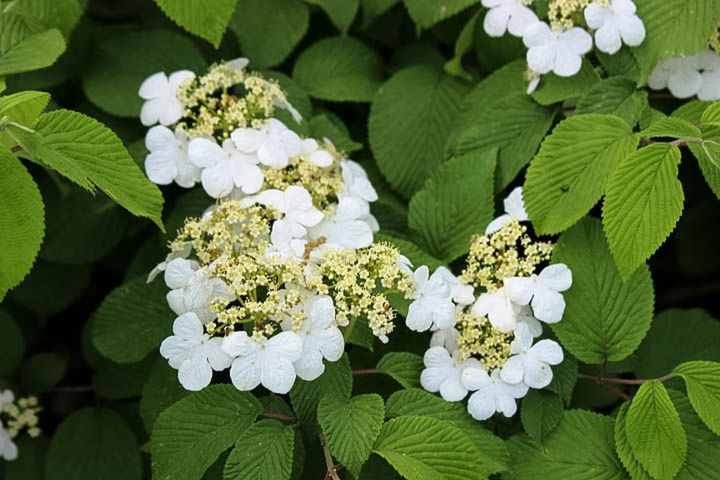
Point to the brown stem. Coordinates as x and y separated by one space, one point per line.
332 467
279 416
366 371
615 390
623 381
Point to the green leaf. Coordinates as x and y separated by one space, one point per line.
23 108
426 13
263 452
93 443
702 443
136 310
341 12
643 203
516 125
60 14
424 448
30 463
463 44
621 63
12 345
410 119
654 431
415 253
32 52
404 367
305 396
118 382
124 61
702 380
677 336
161 390
268 30
199 18
455 203
371 9
671 127
351 427
556 89
88 153
564 378
569 174
605 318
540 413
341 69
616 96
42 371
322 126
189 436
707 153
22 221
623 448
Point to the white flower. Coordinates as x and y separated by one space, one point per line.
514 210
168 158
267 362
161 103
6 397
193 290
499 309
433 307
533 84
507 15
8 449
443 374
162 266
346 228
193 353
530 363
709 63
680 75
405 264
283 243
273 143
237 64
446 338
492 394
320 338
615 23
356 182
544 290
314 154
556 50
295 205
462 294
225 167
525 319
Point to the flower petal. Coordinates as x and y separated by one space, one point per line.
481 405
204 152
537 374
513 370
607 38
496 21
244 374
547 351
557 277
548 305
519 289
217 180
156 85
195 374
475 378
521 18
451 390
285 345
277 373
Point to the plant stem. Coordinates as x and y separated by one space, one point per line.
279 416
365 371
623 381
332 468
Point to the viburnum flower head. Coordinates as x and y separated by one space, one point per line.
443 373
558 51
615 23
542 291
273 143
491 393
193 353
432 307
161 102
320 338
530 363
513 16
192 290
224 168
680 75
514 210
295 205
346 228
266 362
168 159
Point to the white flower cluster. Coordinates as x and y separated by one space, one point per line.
486 344
558 46
264 280
686 77
18 416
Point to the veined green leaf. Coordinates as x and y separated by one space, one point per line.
263 452
702 380
199 18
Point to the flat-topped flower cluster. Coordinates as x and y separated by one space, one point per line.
16 416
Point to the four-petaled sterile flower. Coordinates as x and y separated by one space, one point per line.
225 167
433 307
161 102
266 362
192 290
295 205
446 338
680 75
615 23
193 353
530 363
315 155
168 158
356 183
320 338
507 15
492 394
498 308
273 143
346 228
514 210
443 373
542 291
559 51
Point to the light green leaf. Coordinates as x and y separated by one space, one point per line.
424 448
351 427
136 310
463 44
268 30
41 372
616 96
554 89
262 452
703 444
341 12
702 380
426 13
569 174
605 318
711 115
199 18
23 108
655 433
621 63
161 390
671 127
415 253
540 413
623 448
189 436
643 203
12 345
22 221
707 153
455 203
410 119
32 52
124 61
93 443
341 69
60 14
404 367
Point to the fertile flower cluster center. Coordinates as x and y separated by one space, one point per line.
16 416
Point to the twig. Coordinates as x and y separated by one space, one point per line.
73 389
332 467
366 371
279 416
615 390
623 381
